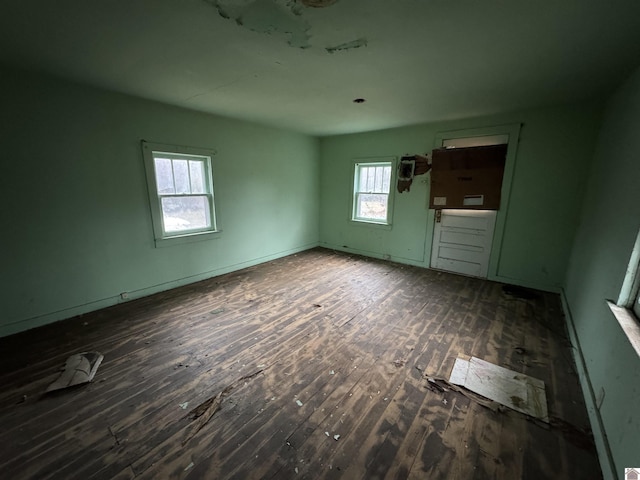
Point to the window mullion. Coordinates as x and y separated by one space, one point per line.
173 177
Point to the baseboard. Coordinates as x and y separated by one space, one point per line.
599 434
38 321
381 256
421 263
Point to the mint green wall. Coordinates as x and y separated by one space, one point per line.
546 192
608 228
76 227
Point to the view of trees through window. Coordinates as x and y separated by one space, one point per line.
183 190
373 182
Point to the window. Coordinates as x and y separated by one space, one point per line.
627 308
629 294
372 185
180 191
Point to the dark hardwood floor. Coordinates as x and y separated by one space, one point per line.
280 359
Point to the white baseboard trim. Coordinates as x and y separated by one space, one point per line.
599 434
40 320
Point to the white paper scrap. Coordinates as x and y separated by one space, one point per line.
517 391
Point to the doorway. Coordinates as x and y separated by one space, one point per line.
462 238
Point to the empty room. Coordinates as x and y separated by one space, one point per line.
350 239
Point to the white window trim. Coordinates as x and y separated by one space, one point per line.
161 238
627 308
354 179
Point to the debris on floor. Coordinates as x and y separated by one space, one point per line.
79 368
299 403
336 437
201 414
399 363
442 385
183 405
517 391
435 386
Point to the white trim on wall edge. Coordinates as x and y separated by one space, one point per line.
605 457
33 322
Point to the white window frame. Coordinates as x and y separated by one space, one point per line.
627 308
372 162
630 292
163 237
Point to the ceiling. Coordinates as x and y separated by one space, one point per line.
299 67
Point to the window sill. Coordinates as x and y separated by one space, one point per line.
367 223
629 324
188 238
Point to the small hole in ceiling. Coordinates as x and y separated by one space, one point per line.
359 100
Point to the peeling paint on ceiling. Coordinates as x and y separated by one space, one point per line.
284 17
317 3
360 42
268 17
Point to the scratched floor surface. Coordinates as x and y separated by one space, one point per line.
310 366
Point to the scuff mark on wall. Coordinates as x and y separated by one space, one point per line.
360 42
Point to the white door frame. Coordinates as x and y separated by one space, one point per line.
513 131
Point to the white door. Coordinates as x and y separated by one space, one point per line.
462 241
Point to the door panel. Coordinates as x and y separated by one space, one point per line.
474 239
462 241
